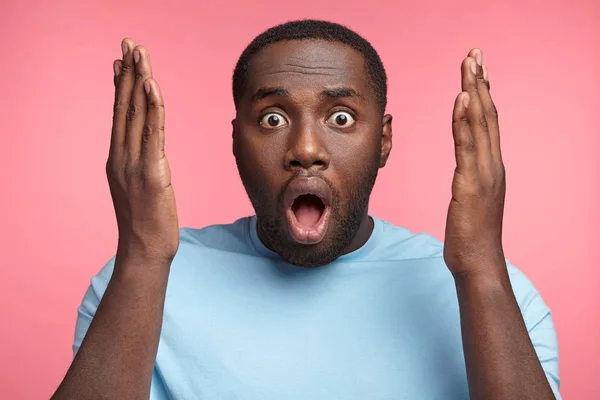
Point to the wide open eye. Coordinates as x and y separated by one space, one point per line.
273 120
341 119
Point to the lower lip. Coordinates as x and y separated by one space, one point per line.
308 234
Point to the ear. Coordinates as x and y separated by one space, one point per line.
233 136
386 139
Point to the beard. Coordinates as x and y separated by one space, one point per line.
346 217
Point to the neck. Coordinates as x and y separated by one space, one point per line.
362 235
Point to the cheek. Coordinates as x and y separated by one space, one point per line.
258 162
354 159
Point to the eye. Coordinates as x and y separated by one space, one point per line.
342 119
273 120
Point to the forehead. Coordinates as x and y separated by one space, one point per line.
308 66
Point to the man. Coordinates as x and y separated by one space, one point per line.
312 298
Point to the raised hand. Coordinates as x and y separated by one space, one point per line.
499 355
473 239
116 357
137 169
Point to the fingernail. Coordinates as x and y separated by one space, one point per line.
125 48
474 68
466 100
136 56
147 87
485 73
479 58
116 68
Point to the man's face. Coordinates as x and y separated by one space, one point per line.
309 138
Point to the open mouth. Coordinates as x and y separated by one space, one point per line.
308 209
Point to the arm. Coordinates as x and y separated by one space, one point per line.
500 358
117 355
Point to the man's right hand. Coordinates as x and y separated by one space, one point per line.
137 169
116 357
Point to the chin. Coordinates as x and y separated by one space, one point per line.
277 235
310 260
310 255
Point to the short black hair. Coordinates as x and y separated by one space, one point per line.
313 29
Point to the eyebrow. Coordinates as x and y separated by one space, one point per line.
327 93
340 93
269 91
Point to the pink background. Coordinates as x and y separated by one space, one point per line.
58 226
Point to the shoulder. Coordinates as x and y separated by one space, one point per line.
399 243
527 295
194 243
223 237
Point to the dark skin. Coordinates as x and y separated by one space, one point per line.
311 86
117 356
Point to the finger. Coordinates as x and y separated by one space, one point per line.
464 144
117 65
491 116
123 89
114 139
153 142
471 73
485 76
136 114
477 55
489 108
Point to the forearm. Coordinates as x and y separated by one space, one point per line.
500 358
116 358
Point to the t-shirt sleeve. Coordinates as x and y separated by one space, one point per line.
86 312
538 319
90 302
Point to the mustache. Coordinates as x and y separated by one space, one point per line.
308 174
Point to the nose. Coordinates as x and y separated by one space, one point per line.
306 149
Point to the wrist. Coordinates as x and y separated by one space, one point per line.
486 293
138 263
144 252
493 281
487 262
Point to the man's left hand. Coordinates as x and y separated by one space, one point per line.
473 242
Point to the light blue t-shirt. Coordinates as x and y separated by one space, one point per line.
380 323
